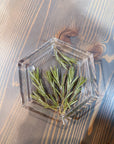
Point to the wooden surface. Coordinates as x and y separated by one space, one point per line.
25 25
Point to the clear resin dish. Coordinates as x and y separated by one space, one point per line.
43 58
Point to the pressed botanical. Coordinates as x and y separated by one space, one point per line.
65 87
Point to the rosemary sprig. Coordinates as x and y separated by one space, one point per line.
64 91
64 60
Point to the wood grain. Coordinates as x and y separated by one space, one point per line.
24 26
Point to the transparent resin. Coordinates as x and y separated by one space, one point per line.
43 58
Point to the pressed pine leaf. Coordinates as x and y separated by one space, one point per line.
60 60
42 92
34 78
67 96
71 73
63 79
72 102
64 89
73 84
54 101
59 93
66 59
68 105
77 90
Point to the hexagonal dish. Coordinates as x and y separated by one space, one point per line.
43 58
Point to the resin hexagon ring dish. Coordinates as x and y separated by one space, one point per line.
43 58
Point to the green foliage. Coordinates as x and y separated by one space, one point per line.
64 60
65 87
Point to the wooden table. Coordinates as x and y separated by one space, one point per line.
25 25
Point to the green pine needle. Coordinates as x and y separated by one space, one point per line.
64 92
